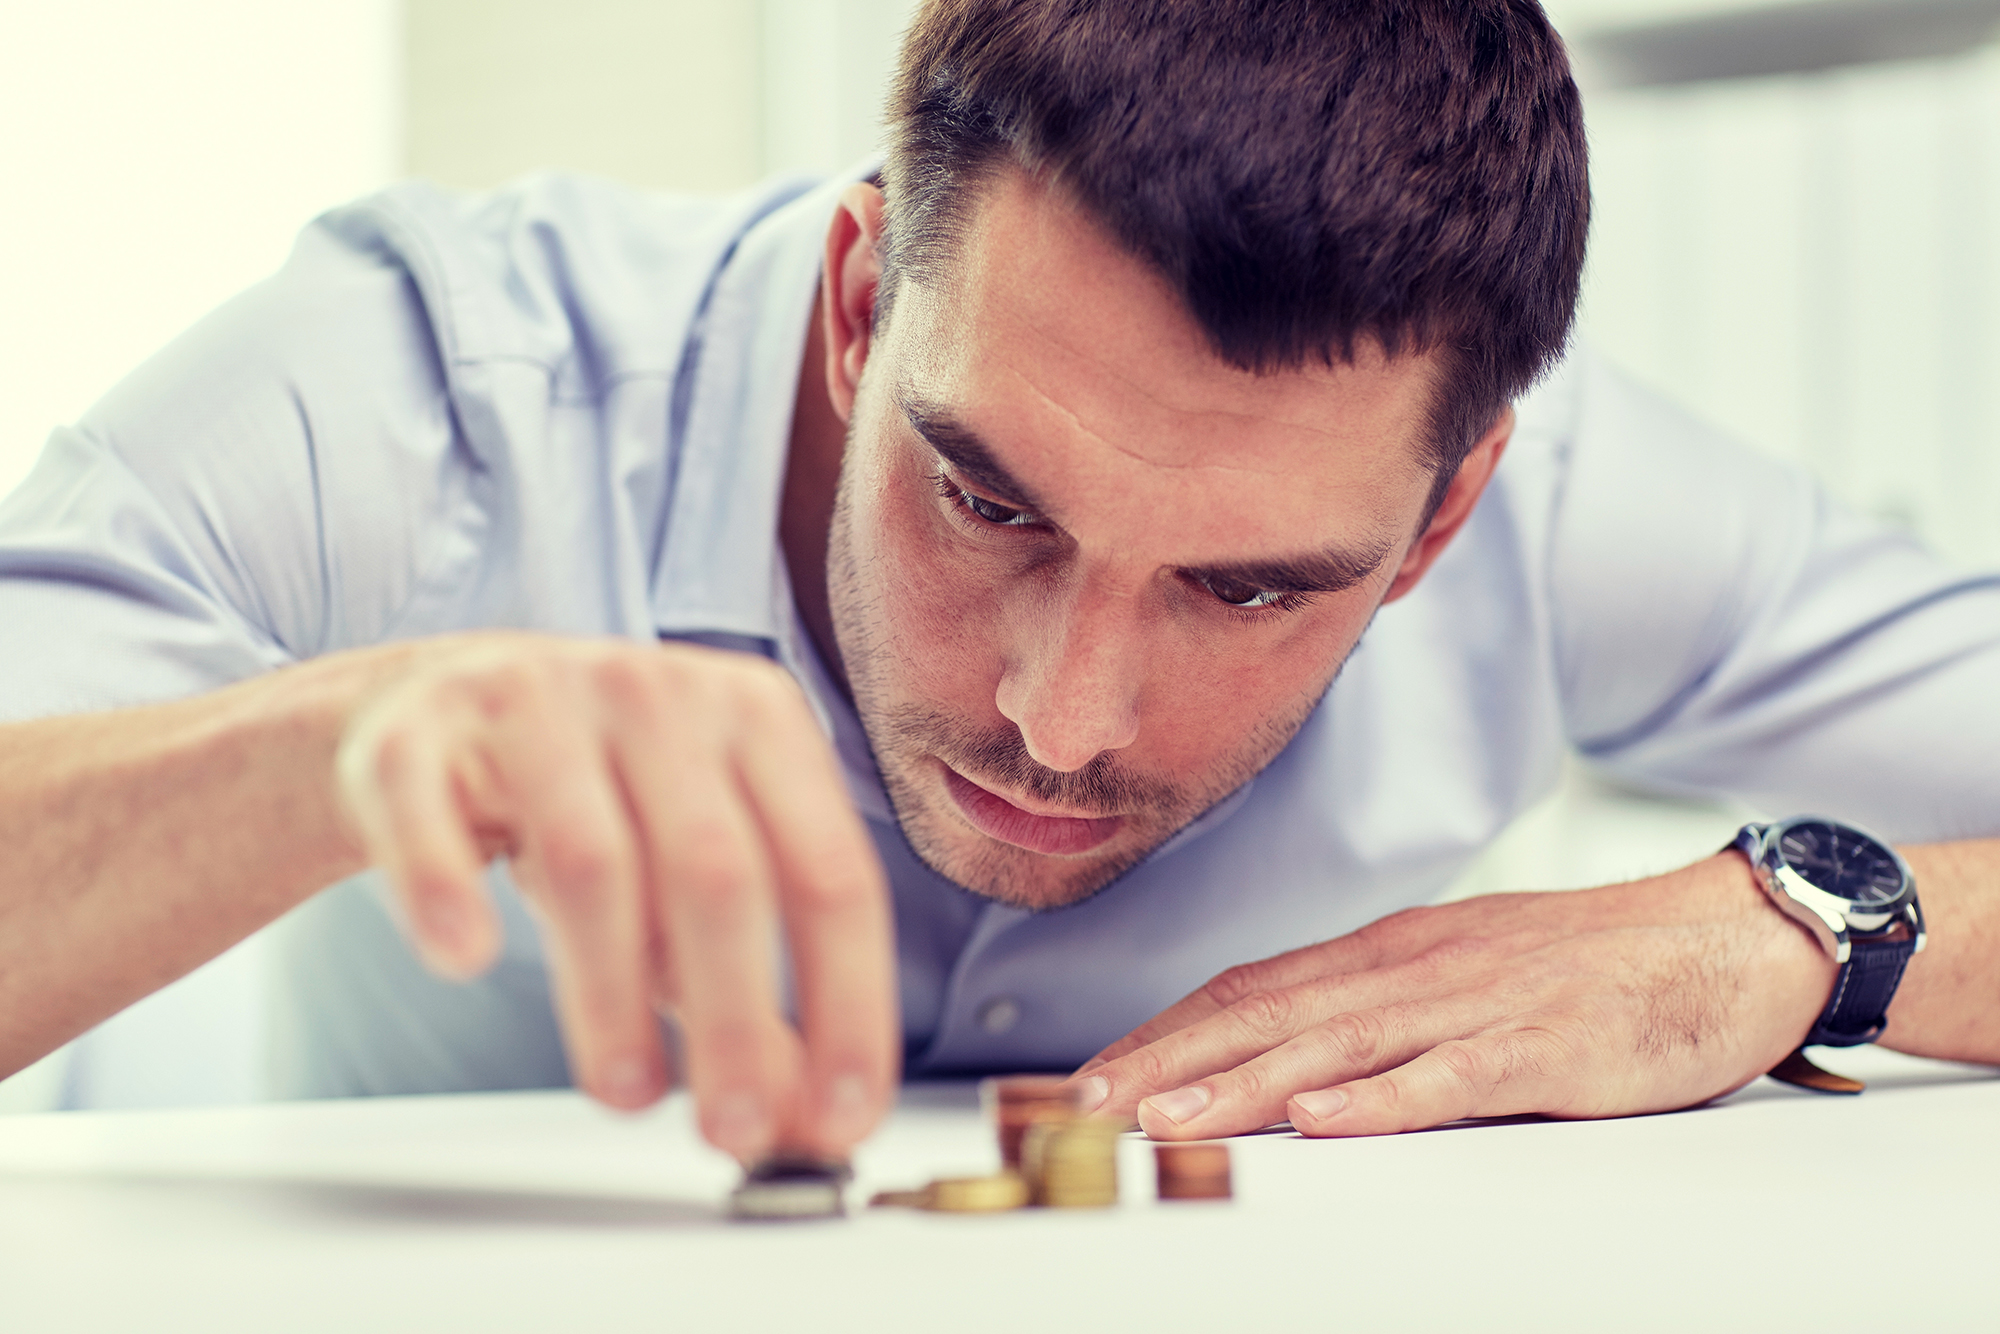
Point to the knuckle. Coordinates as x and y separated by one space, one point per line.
1467 1066
1544 1052
581 872
390 753
1401 925
1358 1038
625 682
507 685
834 890
1269 1016
1454 955
1255 1083
1145 1068
711 881
1236 984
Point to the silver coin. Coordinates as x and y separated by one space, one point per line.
791 1187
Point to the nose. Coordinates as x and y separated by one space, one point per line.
1073 677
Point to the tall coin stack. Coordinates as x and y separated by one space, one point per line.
1017 1102
1072 1164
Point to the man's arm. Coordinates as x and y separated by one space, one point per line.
1634 998
142 842
671 813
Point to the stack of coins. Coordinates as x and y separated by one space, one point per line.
1017 1102
1192 1171
1072 1164
791 1186
1049 1154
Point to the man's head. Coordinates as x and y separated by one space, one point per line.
1183 340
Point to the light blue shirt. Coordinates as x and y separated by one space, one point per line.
564 405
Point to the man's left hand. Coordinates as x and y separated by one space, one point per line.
1643 997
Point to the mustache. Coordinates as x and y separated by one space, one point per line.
1000 755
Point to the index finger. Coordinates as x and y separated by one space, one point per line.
1387 940
835 902
1189 1010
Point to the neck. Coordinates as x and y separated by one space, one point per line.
805 514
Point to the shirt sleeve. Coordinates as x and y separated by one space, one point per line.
270 486
1723 626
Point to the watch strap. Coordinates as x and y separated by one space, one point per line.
1858 1010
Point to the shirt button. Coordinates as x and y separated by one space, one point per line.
999 1014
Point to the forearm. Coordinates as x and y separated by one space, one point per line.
1949 1003
143 842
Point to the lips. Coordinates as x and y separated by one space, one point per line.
996 817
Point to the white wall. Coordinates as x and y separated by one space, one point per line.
158 156
1807 260
827 65
658 93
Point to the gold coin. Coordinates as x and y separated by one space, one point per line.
977 1195
1073 1164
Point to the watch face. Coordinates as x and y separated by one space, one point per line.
1846 864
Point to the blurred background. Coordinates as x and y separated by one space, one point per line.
1796 204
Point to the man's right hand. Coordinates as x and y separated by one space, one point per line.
667 810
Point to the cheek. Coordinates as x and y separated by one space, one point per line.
1228 686
925 598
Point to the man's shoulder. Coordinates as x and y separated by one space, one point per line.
589 278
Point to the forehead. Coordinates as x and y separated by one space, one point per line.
1079 366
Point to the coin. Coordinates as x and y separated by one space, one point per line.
977 1195
1192 1171
1072 1164
791 1186
1016 1102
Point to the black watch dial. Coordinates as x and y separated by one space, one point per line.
1844 863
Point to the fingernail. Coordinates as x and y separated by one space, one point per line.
737 1122
1091 1093
1181 1105
628 1082
1321 1103
849 1109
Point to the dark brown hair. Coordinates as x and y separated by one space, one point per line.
1305 173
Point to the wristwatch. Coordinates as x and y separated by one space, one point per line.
1859 900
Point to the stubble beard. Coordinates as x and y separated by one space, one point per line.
902 733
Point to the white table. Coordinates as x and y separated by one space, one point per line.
1772 1210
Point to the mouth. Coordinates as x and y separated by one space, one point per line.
998 818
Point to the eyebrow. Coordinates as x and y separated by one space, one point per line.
1331 570
961 447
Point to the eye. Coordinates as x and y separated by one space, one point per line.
993 513
986 511
1236 593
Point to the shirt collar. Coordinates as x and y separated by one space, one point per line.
718 569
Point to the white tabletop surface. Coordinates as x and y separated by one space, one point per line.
1772 1210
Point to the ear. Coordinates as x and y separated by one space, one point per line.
1459 498
848 280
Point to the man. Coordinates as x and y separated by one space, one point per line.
1176 342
